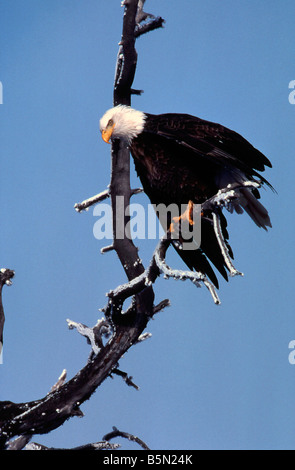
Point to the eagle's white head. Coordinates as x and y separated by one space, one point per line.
122 122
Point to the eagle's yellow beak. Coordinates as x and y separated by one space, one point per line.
107 133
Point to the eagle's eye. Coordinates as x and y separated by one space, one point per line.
110 123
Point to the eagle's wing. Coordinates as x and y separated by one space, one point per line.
211 141
215 148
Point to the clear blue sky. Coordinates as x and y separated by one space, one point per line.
210 377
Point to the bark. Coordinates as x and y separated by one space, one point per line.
65 399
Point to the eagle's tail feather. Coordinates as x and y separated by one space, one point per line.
254 208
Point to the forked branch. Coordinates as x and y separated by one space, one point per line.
158 265
64 401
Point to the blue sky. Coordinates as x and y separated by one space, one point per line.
210 377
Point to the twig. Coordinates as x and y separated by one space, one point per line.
126 435
150 26
127 379
107 249
163 304
136 191
143 337
61 380
136 92
84 205
93 335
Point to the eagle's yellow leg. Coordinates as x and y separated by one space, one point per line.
187 215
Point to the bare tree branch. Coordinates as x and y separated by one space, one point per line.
223 198
150 26
100 445
84 205
126 435
157 266
224 250
61 380
5 278
127 379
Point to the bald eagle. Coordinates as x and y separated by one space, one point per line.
180 159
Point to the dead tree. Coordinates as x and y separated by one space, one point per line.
119 329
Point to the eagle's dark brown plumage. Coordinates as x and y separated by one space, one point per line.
181 158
